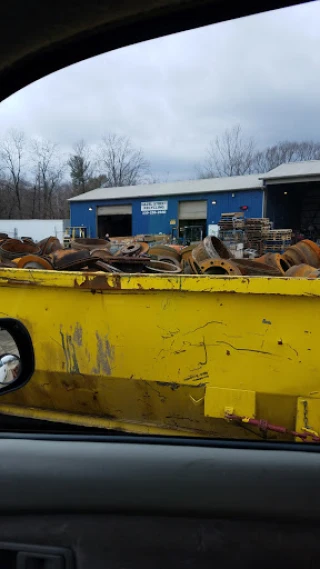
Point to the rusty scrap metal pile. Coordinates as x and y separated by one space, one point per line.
210 257
300 260
88 255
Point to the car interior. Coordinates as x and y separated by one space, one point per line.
93 501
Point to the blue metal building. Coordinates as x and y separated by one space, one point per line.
164 208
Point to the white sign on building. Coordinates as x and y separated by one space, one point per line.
154 208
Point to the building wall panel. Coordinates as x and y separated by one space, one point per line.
85 213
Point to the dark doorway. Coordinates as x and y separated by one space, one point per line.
192 230
295 206
115 225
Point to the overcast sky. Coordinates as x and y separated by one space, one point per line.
173 95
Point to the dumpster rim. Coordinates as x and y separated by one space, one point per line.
110 282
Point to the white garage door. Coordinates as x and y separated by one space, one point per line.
115 210
193 210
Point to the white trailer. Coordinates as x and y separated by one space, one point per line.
37 229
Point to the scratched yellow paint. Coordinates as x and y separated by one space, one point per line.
139 353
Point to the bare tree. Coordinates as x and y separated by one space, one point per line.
160 179
284 152
120 162
80 168
231 154
48 176
61 208
12 155
234 155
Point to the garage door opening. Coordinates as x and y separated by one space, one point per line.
192 220
295 206
115 220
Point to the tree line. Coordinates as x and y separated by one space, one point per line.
36 179
234 154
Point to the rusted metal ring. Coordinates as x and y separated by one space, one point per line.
165 251
131 249
275 260
27 240
169 260
49 245
211 248
144 247
303 271
13 248
219 267
124 264
255 268
293 256
103 254
310 252
186 252
82 243
34 262
194 265
304 252
155 266
135 248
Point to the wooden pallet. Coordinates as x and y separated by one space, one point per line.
232 215
279 250
277 239
238 223
260 221
234 220
276 234
232 231
254 234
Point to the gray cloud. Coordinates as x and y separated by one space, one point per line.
174 94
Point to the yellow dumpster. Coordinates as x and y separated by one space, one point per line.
184 355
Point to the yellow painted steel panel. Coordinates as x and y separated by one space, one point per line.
308 414
140 352
219 401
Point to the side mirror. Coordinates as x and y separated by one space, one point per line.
16 355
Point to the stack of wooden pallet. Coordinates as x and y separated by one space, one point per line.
229 221
276 241
256 230
231 227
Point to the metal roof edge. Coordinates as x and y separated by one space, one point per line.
164 193
293 179
258 187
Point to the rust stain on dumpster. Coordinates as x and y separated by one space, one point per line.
99 282
69 352
105 355
77 334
